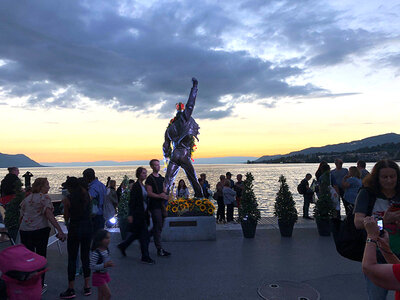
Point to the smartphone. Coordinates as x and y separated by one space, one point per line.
380 225
395 207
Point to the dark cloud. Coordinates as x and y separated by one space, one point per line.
313 28
392 60
269 104
215 114
133 57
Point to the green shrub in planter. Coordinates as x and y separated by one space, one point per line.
248 204
324 209
285 207
249 214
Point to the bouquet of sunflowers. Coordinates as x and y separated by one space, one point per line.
190 207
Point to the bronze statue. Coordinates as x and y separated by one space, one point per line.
182 132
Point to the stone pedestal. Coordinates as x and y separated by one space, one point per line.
178 229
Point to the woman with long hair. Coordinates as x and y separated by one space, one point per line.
182 191
380 198
77 218
322 168
36 212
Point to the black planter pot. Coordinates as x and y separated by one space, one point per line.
249 228
324 227
286 228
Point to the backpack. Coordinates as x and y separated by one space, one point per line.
350 241
301 188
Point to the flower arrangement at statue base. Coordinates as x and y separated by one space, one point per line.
190 207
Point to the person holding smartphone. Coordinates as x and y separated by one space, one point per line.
385 275
381 192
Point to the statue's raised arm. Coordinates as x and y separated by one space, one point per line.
192 100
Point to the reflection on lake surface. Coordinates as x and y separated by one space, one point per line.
265 177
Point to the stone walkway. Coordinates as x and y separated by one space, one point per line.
229 268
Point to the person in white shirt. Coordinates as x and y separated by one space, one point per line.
182 191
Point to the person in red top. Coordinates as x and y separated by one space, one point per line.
387 275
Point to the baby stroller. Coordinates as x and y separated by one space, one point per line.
22 271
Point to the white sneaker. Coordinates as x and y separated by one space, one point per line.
44 288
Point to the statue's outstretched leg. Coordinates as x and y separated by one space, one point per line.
191 175
172 171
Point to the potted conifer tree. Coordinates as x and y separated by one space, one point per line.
249 214
324 210
285 208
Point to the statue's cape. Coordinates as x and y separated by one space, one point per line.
178 130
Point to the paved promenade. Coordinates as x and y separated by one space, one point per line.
229 268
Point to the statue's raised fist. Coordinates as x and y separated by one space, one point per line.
195 82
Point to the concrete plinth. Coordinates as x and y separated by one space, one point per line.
178 229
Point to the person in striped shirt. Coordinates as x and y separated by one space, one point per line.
100 261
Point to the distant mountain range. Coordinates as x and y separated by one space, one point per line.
17 160
370 149
105 163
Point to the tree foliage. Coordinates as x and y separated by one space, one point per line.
248 204
324 209
123 205
285 206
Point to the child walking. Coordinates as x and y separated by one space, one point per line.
99 262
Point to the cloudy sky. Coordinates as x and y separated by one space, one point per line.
97 80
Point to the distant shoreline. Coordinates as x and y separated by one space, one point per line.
203 164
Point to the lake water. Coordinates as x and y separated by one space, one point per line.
265 177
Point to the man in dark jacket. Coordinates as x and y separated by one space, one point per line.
138 218
308 196
10 183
